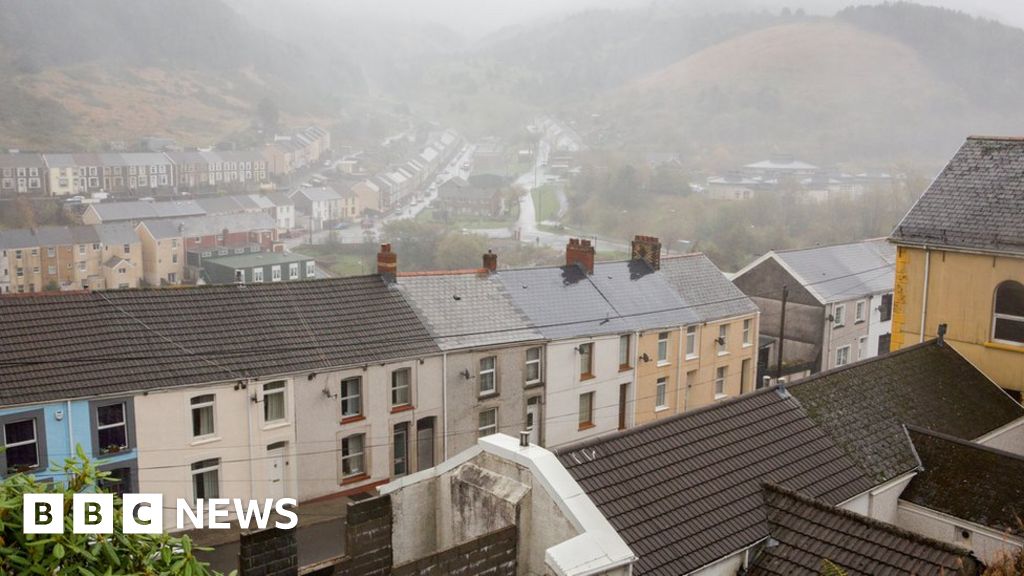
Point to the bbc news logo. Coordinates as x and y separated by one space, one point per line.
143 513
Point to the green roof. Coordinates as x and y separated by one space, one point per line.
255 259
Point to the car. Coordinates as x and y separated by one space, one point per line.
342 225
75 200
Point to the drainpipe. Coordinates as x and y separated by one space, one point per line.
444 404
71 433
924 295
679 369
248 418
831 327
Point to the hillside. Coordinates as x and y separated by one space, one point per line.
81 72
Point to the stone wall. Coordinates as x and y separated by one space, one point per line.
493 554
271 552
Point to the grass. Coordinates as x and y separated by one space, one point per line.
427 215
545 203
337 262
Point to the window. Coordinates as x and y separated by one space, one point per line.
745 375
273 401
293 271
81 266
120 480
487 379
884 341
51 269
885 310
862 347
127 248
532 365
351 397
720 375
400 383
586 360
723 339
21 445
111 427
202 415
843 356
487 423
746 331
275 273
858 312
51 252
174 258
353 461
206 479
401 459
624 351
1008 321
586 410
660 394
257 275
838 315
662 348
310 269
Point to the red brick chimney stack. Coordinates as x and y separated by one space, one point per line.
581 253
387 263
648 249
491 261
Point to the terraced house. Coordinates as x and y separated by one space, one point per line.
960 260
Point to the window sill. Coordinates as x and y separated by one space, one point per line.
351 419
204 440
586 426
855 322
721 397
747 344
692 357
625 367
354 479
660 408
275 425
663 363
586 377
726 353
1005 346
487 395
835 326
404 408
535 384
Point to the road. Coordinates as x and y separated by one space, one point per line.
316 542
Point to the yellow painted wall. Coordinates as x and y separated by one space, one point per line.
648 373
961 292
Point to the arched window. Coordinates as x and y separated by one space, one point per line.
1008 319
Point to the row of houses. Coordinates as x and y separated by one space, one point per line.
396 185
138 172
902 463
149 252
277 205
392 373
782 173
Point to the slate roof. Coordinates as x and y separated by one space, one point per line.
704 286
967 480
116 211
117 233
806 532
976 202
210 225
466 310
15 238
844 271
865 405
685 491
83 344
22 160
564 302
321 194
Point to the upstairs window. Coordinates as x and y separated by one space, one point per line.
885 309
202 415
351 397
624 352
1008 321
111 427
400 388
21 447
487 376
586 360
273 401
532 365
746 331
663 348
691 341
839 316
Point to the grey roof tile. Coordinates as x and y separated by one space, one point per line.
704 286
84 344
844 271
967 480
976 202
865 405
806 532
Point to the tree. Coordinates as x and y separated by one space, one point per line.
69 553
460 251
268 115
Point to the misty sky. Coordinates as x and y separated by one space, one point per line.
475 18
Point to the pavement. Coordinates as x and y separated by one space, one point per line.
320 536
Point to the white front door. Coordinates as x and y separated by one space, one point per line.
533 419
275 472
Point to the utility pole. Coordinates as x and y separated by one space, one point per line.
782 330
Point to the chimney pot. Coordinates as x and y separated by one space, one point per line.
524 438
490 261
387 263
942 333
581 253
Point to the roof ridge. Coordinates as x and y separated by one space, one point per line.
962 442
832 245
872 522
998 138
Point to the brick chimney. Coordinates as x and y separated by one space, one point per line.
491 261
581 253
648 249
387 263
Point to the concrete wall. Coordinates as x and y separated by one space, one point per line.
167 448
465 402
986 543
961 294
320 430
